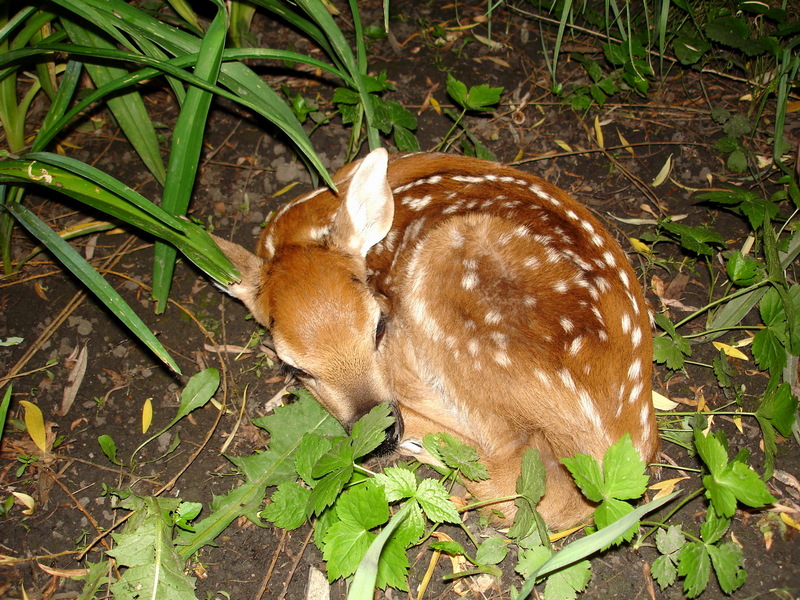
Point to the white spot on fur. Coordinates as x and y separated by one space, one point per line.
576 345
561 287
417 203
635 370
567 380
566 324
636 336
626 323
493 317
473 347
609 259
502 359
470 280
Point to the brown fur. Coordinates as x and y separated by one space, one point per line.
514 320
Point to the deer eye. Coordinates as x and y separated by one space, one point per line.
380 329
287 369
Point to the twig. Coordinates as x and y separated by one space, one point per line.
294 564
272 563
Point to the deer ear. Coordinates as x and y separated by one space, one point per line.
366 214
250 268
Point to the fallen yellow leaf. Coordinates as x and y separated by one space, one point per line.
730 351
35 424
662 402
147 414
666 487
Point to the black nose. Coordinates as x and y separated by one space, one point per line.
394 433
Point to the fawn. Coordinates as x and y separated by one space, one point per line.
478 300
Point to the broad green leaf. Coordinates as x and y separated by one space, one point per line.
587 475
398 483
531 482
532 559
369 431
695 566
312 447
624 471
671 351
728 564
711 451
566 583
450 547
457 455
4 404
287 508
435 501
670 540
746 485
742 270
779 407
612 510
768 350
664 571
337 466
492 551
714 527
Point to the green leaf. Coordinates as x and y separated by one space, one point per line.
145 549
109 448
360 509
624 470
478 97
746 485
728 564
698 239
532 559
287 509
435 501
779 407
742 270
714 527
695 566
450 547
369 431
398 483
566 583
336 469
393 565
670 540
671 351
492 551
768 350
456 455
457 91
531 482
586 472
689 50
664 571
737 126
711 450
312 447
727 145
612 510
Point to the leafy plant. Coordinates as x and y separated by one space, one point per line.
477 98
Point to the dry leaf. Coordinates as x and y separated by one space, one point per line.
34 421
598 132
66 573
663 174
76 363
625 143
662 402
639 245
730 351
26 501
666 487
563 145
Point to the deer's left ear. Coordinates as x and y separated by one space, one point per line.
366 214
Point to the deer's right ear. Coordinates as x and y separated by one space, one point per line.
366 214
250 268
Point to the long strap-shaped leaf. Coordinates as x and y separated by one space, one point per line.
128 108
101 191
236 76
187 142
70 258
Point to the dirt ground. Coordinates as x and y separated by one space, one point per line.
243 169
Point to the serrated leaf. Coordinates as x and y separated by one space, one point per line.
457 91
722 499
768 351
611 510
670 540
779 407
741 270
311 448
393 566
398 483
694 564
531 482
737 161
728 564
664 571
586 472
670 351
359 510
624 470
711 451
698 239
746 485
531 559
492 551
369 431
287 509
566 583
456 455
434 500
714 527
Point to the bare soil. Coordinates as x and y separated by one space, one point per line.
244 172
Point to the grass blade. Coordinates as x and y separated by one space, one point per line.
187 142
128 109
76 264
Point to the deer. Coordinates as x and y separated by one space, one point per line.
476 299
